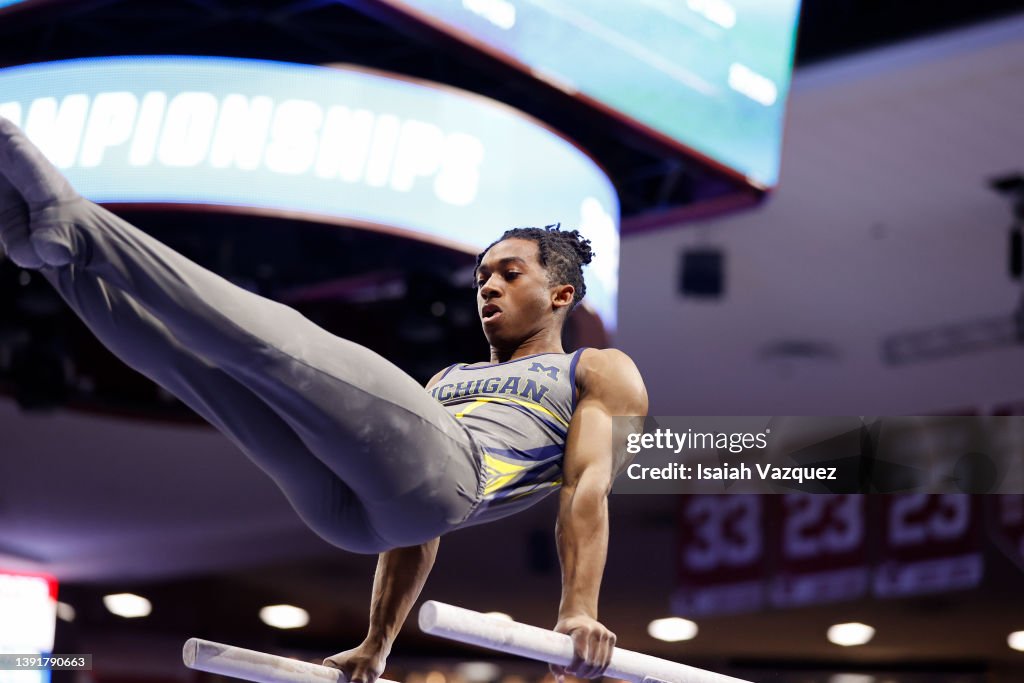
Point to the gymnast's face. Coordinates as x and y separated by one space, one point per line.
514 297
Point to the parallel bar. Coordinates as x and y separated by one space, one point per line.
250 665
466 626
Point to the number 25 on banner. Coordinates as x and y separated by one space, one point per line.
932 543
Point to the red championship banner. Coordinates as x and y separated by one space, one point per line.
721 554
931 543
820 542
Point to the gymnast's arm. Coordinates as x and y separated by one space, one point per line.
400 576
397 583
610 385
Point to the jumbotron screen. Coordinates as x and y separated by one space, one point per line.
369 148
708 76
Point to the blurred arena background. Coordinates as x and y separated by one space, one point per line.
876 271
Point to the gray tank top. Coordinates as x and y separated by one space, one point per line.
518 412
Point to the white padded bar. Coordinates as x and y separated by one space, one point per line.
495 633
250 665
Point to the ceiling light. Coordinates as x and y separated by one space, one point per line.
127 605
478 671
284 616
853 633
672 629
65 612
1016 640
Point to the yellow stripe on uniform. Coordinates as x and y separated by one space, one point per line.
497 399
499 473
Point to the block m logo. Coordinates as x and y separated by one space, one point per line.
549 370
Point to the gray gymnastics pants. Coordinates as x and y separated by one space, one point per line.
365 456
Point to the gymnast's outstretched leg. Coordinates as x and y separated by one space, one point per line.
324 502
411 463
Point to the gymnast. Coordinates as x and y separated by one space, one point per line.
369 460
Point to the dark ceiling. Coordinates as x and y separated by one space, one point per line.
830 28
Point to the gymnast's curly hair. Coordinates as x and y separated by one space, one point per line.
562 252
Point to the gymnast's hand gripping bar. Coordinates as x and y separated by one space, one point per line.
466 626
456 623
250 665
